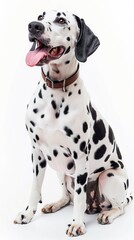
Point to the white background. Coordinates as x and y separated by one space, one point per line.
108 75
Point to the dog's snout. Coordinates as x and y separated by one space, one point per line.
36 28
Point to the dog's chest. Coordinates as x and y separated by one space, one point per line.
52 120
51 113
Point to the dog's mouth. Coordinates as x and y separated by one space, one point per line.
41 54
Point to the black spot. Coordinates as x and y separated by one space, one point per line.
98 170
76 139
26 127
68 39
75 84
114 164
37 170
58 14
127 183
66 110
49 158
81 179
22 217
100 152
55 152
67 62
31 130
111 135
44 86
100 131
89 146
35 110
69 94
40 94
52 95
88 110
131 198
63 99
37 137
125 186
42 116
95 139
67 51
121 164
114 146
70 165
64 14
75 155
118 152
27 208
66 155
53 103
32 157
93 112
106 159
128 200
110 174
78 190
34 140
43 164
39 157
79 91
33 124
83 146
68 131
57 114
85 127
34 100
69 28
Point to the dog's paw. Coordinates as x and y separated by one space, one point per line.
50 208
105 218
54 207
75 229
24 217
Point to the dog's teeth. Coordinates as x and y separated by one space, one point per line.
54 51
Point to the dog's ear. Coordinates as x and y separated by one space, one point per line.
87 42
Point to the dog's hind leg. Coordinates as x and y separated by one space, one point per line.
113 186
64 200
39 166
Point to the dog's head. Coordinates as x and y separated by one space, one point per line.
57 34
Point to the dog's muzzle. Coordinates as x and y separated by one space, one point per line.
41 51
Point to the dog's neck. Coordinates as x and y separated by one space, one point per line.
62 70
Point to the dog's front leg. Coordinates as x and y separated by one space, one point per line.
77 227
39 166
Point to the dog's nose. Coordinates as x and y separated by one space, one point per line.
36 28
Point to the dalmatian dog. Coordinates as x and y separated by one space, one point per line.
67 131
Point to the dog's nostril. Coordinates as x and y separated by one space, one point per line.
36 28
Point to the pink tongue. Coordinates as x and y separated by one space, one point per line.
33 57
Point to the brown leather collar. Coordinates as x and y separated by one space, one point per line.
61 84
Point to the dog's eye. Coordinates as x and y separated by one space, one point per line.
60 20
40 17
